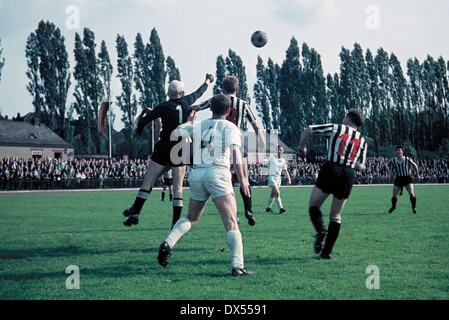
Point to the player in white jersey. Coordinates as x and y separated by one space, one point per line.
276 167
240 113
215 142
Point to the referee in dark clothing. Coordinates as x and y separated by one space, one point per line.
401 167
346 153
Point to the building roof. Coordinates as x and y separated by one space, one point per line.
25 134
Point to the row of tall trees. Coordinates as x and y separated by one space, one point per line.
142 75
49 75
401 107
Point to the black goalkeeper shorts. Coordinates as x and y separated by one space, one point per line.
170 153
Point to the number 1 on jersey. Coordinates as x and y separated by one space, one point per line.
179 108
354 143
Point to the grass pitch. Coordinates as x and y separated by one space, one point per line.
42 234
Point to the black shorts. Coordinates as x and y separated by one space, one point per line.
402 181
167 181
162 154
336 179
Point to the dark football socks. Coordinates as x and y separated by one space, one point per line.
317 219
141 197
247 201
177 209
393 202
413 201
332 234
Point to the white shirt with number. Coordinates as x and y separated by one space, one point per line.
212 139
212 142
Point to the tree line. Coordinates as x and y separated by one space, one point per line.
411 111
142 76
408 108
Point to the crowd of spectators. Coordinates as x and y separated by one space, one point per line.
17 173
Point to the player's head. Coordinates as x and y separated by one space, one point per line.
356 116
230 84
399 150
220 104
280 150
175 89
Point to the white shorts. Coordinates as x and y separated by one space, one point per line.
274 181
210 182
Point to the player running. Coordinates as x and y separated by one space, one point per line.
276 167
401 167
173 112
239 113
215 142
167 183
346 151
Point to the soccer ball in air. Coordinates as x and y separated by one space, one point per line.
259 39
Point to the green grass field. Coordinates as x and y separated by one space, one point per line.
42 234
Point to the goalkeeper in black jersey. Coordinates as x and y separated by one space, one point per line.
172 113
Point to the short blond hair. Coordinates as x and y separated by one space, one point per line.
175 88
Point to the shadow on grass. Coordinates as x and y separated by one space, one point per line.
71 251
99 231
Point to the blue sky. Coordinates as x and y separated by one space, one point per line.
195 32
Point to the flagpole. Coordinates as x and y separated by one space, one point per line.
110 131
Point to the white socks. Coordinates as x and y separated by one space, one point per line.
234 240
278 202
179 229
270 202
236 247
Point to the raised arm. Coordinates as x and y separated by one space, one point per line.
260 138
191 98
303 140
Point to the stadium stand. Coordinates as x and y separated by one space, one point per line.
45 173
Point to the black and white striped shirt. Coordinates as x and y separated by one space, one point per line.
401 167
346 145
238 113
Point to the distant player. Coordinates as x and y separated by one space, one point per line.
215 142
346 151
173 112
276 167
167 183
401 167
239 113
